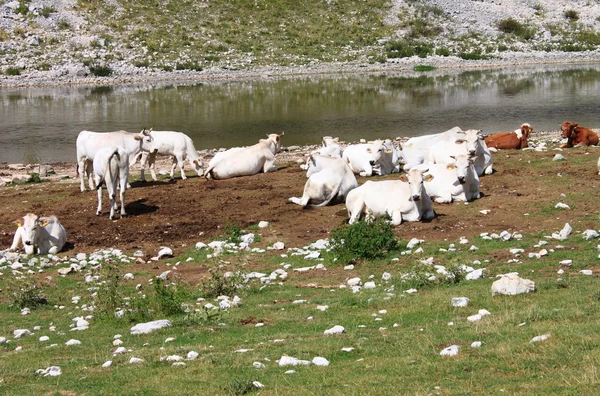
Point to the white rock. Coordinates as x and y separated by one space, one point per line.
72 342
173 358
135 360
348 267
566 262
320 361
560 271
354 282
292 361
192 355
178 364
511 284
484 312
476 344
410 291
263 224
452 350
561 205
165 252
386 276
277 246
170 339
21 332
347 349
25 311
322 308
589 234
337 329
290 372
117 342
164 275
370 285
52 371
585 272
257 385
200 245
474 318
558 157
516 250
259 365
540 338
414 242
128 276
120 350
247 238
460 301
44 338
476 274
106 364
564 233
145 328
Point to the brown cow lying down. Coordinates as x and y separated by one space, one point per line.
577 136
510 140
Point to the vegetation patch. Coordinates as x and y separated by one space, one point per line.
364 239
422 68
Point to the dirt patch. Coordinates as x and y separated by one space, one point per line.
520 196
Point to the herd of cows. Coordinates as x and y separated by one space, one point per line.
442 167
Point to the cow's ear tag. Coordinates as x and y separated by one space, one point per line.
19 224
428 178
44 223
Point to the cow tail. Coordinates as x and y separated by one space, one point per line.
334 193
108 176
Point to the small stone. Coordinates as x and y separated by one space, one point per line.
135 360
337 329
320 361
106 364
263 224
540 338
459 301
476 344
192 355
72 342
450 351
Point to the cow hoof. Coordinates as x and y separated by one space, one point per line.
98 213
124 215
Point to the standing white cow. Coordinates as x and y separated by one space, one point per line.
175 144
454 181
328 179
401 200
245 161
111 166
88 144
471 143
366 158
39 235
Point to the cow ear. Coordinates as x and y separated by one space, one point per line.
403 178
137 137
428 177
450 167
459 141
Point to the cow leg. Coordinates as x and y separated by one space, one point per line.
17 240
299 201
396 217
143 162
99 209
152 165
89 168
179 163
355 212
446 198
489 170
122 198
269 166
81 171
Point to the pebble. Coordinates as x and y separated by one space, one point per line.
337 329
540 338
450 351
106 364
135 360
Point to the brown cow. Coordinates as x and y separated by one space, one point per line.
510 140
577 136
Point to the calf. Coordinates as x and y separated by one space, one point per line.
39 235
455 181
88 144
245 161
111 166
577 136
510 140
175 144
401 200
329 179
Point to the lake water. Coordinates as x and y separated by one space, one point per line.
41 124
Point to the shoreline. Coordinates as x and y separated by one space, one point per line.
442 65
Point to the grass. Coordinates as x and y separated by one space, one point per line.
422 68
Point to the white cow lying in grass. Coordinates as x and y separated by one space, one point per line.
175 144
416 149
111 166
366 159
245 161
471 143
88 144
401 200
39 235
329 179
455 181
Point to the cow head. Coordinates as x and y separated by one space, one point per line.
329 141
473 139
567 129
146 140
30 226
526 129
275 140
414 178
462 164
376 150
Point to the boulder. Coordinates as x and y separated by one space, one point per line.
145 328
512 284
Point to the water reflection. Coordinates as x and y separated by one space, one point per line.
42 124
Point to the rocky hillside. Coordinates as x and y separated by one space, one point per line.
77 38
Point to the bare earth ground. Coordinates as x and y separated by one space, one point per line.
520 195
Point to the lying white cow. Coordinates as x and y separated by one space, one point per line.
175 144
471 143
455 181
416 149
401 200
88 144
39 235
328 179
366 159
389 163
245 161
330 147
111 166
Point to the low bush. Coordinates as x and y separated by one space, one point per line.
443 51
571 15
188 66
13 71
219 285
26 292
408 48
233 232
421 68
46 11
512 26
363 240
101 71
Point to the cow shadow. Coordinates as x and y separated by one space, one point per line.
68 246
138 207
144 184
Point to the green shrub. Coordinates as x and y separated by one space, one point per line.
363 240
13 71
188 66
422 68
27 293
233 232
46 11
571 15
219 285
212 58
169 299
143 63
108 297
35 178
443 51
101 71
408 48
63 25
22 9
475 55
512 26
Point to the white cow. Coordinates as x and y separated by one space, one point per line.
245 161
416 149
39 235
471 143
390 159
366 158
328 179
175 144
88 143
111 166
330 147
455 181
401 200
